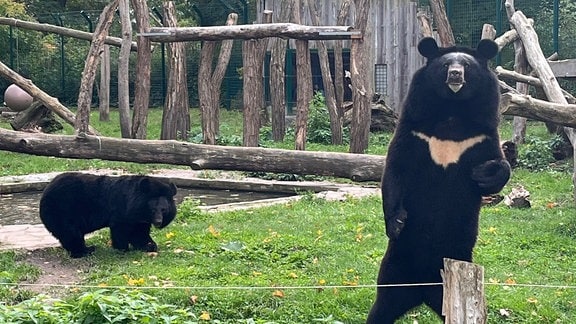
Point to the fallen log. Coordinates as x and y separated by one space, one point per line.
36 118
357 167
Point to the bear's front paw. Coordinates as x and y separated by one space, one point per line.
150 247
395 224
491 176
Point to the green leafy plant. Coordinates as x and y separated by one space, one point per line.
536 153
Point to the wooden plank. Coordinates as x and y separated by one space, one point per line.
563 68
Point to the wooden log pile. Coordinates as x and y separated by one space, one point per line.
559 107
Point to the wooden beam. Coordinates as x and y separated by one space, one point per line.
254 31
115 41
563 68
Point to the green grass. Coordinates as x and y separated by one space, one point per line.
245 266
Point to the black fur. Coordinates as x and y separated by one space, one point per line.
75 204
432 202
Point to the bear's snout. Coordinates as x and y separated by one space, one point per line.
455 77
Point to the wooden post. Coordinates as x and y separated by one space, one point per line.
123 70
329 91
304 82
176 115
253 53
210 82
444 29
143 66
91 65
464 301
104 93
361 65
278 77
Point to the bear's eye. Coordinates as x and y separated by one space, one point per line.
446 65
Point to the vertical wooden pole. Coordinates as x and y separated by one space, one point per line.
303 81
253 54
104 93
464 301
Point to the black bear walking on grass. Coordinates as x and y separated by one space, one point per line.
75 204
444 156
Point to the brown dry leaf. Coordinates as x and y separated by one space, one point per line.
193 299
278 293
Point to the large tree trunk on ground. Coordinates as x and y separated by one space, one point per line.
91 66
123 70
343 165
143 62
176 114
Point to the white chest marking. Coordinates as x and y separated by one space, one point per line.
445 152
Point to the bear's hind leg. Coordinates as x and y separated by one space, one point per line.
120 235
393 302
433 298
75 245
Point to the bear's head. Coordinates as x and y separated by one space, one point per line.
458 73
160 204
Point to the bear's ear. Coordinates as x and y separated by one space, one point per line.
487 49
428 47
173 189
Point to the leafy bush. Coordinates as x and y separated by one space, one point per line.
536 153
101 306
319 121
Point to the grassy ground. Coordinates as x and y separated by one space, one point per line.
307 261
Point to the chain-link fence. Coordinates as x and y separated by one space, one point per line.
55 63
554 21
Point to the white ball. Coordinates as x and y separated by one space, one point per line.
16 98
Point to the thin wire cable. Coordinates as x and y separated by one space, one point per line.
316 287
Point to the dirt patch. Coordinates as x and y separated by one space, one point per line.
58 271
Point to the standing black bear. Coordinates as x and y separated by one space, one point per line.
75 204
444 156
